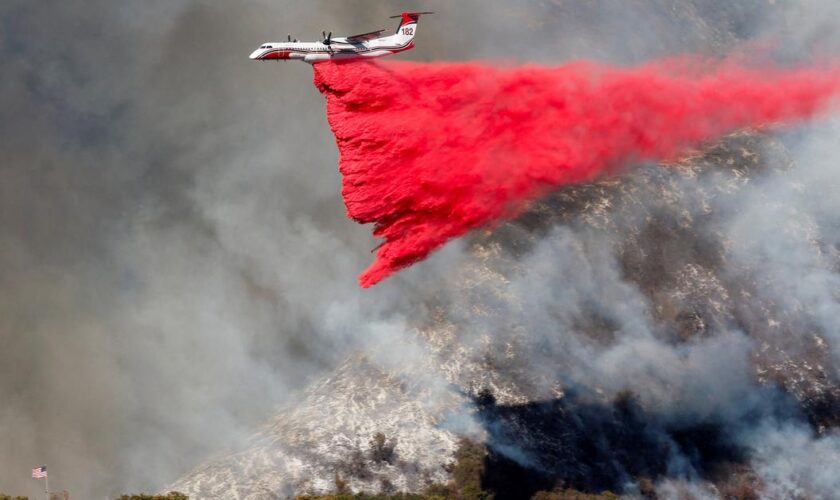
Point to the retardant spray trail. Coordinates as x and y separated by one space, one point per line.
431 151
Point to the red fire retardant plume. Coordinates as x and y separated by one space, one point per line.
432 151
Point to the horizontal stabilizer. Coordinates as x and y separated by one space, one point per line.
410 14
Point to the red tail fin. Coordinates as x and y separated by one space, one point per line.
408 17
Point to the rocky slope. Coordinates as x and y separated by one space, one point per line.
492 367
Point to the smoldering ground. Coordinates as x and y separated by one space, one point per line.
668 300
171 230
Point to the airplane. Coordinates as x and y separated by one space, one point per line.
366 45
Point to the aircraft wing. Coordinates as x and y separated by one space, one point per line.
364 36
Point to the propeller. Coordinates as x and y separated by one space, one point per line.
327 37
288 38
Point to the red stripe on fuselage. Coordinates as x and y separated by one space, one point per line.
276 54
285 54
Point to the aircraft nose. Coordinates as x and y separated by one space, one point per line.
255 54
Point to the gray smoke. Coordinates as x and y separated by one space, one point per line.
176 262
763 295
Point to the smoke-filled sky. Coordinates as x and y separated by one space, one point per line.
172 237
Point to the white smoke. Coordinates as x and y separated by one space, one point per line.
176 261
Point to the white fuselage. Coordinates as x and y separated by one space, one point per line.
338 49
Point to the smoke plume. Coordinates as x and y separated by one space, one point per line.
432 151
176 264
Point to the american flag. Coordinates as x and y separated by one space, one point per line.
39 472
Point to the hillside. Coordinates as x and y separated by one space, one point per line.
674 347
